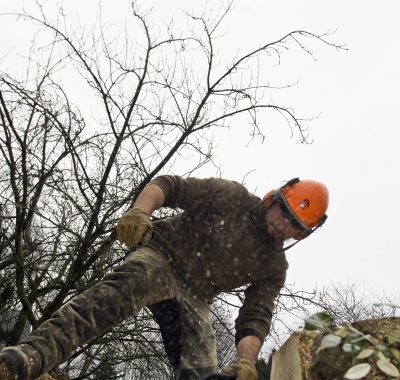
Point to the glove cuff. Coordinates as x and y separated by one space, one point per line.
245 360
138 210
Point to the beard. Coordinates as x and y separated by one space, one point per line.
274 238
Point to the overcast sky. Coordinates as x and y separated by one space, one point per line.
354 93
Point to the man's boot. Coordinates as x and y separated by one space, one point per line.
20 363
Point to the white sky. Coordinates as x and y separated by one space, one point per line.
355 138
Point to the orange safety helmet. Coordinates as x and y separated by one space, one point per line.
305 202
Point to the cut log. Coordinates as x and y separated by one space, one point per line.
293 360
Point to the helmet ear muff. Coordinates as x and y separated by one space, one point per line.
268 199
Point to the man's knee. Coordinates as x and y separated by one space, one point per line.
20 362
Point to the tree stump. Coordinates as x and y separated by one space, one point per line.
298 358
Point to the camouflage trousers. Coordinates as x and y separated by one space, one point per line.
145 278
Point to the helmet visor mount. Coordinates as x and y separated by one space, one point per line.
296 222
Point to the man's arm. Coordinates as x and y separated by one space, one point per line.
150 199
244 368
249 347
253 324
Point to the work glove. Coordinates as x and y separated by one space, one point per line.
134 228
243 369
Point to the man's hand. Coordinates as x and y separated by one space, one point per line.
134 228
243 368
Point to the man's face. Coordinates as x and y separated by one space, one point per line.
279 227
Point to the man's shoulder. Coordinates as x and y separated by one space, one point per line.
211 181
194 190
225 182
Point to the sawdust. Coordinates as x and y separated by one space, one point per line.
305 346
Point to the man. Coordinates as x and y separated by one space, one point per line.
224 238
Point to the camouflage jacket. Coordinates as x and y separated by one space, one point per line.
216 243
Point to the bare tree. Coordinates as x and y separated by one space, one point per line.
66 174
222 321
351 302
